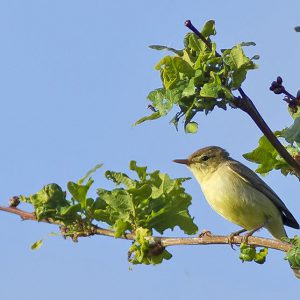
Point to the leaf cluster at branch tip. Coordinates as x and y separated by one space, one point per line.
152 202
198 79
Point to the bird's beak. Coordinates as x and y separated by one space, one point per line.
182 161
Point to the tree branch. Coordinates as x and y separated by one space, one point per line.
245 103
204 239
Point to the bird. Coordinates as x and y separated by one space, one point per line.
238 194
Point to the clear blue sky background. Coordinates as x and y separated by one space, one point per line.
74 76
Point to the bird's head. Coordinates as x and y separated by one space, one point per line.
205 161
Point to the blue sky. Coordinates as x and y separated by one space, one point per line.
74 77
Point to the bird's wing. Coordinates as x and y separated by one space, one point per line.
254 180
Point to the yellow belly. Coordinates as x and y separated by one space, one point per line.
240 203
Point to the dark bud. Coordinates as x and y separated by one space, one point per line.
187 23
298 94
278 90
14 201
279 80
274 84
155 249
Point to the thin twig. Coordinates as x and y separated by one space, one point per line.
204 239
189 25
23 214
245 103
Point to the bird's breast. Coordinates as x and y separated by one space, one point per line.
234 199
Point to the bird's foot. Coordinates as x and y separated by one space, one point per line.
232 235
250 233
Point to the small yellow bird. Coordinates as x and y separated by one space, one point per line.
236 193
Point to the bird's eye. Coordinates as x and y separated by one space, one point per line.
204 158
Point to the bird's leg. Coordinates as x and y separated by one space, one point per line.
232 235
251 232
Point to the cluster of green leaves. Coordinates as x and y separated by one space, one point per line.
266 156
197 78
151 202
147 251
293 255
154 201
249 253
268 159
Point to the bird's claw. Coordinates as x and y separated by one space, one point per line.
232 235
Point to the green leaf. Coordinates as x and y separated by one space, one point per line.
211 90
169 205
50 193
189 89
266 156
79 191
120 178
247 44
237 59
172 68
255 57
260 257
191 127
293 255
238 63
160 47
47 201
238 77
191 41
54 234
89 173
120 227
292 134
153 116
209 28
141 171
117 210
183 67
159 100
37 245
70 210
248 253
